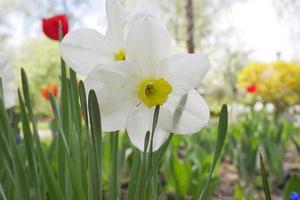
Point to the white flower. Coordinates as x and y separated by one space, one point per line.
148 77
84 48
7 75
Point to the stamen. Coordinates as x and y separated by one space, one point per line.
120 55
153 92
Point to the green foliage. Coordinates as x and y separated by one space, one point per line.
40 59
239 192
71 166
259 130
190 162
292 186
187 164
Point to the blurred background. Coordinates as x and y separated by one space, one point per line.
254 49
232 32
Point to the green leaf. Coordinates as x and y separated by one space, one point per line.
264 179
65 118
29 149
296 144
114 181
59 123
222 132
96 158
158 158
49 176
75 102
18 169
293 185
83 103
134 174
77 139
2 194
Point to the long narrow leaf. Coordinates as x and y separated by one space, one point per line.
96 130
83 103
222 132
49 176
264 178
134 173
114 183
2 194
29 148
18 170
59 123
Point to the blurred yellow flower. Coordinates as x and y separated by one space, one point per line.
277 82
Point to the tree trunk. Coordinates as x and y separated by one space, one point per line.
190 26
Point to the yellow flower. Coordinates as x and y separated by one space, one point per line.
278 82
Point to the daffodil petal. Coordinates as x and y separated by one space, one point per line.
147 43
122 75
83 49
115 91
140 121
190 112
116 17
184 71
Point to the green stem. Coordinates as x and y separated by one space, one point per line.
140 190
149 165
154 124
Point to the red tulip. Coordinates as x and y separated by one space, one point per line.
50 26
252 88
52 88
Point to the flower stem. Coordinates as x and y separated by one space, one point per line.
140 190
150 155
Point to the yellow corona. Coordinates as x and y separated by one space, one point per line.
153 92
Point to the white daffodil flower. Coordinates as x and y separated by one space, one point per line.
151 76
7 75
84 48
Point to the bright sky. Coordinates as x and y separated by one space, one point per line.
256 21
261 30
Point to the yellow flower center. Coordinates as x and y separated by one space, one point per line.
153 92
120 55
